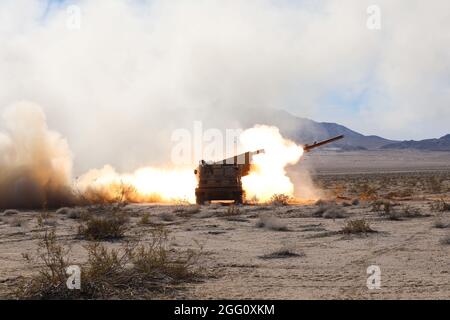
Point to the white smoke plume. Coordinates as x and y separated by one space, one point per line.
136 70
35 162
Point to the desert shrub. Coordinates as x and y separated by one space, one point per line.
167 216
63 211
435 184
156 261
382 206
45 218
368 192
357 227
282 253
271 223
408 192
131 271
407 212
104 228
280 200
187 210
346 204
334 213
440 206
10 212
145 219
319 202
14 221
323 206
52 259
330 210
438 223
180 202
410 212
78 213
233 211
446 240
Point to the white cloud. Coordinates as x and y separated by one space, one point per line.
109 87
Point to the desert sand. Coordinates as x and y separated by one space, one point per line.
322 261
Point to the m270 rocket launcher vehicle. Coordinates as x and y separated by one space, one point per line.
221 180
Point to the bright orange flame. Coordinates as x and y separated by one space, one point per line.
149 183
269 176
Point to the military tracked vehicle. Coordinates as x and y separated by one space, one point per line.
222 180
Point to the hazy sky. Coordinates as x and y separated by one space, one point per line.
131 60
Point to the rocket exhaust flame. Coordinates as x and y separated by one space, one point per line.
144 185
268 176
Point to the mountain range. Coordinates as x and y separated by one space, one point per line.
303 131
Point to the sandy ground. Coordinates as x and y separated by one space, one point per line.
330 265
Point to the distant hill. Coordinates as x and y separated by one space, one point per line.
441 144
303 131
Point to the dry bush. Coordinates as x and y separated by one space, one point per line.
10 212
46 219
440 206
280 200
438 223
446 240
167 216
346 204
405 193
357 227
78 213
145 219
387 210
51 278
63 211
322 202
334 213
330 210
435 185
410 212
108 227
187 210
323 206
282 253
233 211
133 271
368 192
271 223
180 202
382 206
14 221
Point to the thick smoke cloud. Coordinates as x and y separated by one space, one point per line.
136 70
35 162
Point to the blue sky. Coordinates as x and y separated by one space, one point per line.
316 59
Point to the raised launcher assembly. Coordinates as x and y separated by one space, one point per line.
222 180
309 147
